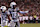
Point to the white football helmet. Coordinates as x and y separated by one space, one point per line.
12 3
3 8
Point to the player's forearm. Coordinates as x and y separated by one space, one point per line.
10 17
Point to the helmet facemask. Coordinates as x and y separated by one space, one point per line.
14 6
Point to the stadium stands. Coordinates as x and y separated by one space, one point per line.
32 6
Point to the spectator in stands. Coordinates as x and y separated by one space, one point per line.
0 15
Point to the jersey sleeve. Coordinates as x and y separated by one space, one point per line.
8 13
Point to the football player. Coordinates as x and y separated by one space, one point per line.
14 13
4 14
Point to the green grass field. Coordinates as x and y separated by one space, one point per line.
29 25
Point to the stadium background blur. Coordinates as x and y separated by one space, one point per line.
33 6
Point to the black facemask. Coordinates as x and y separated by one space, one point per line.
13 7
1 9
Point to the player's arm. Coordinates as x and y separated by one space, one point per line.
9 16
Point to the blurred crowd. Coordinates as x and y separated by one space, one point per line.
32 7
